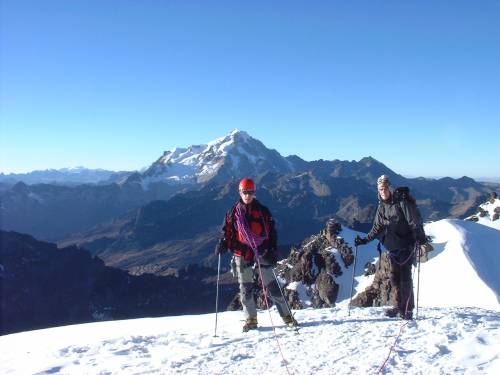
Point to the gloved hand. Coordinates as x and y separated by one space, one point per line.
221 247
423 253
426 247
271 257
360 241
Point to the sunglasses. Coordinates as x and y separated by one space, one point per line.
247 192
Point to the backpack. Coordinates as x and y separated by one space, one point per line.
402 194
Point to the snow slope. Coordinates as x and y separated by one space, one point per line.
465 266
458 330
463 270
444 341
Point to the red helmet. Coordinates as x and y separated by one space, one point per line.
247 184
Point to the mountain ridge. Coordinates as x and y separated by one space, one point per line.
301 195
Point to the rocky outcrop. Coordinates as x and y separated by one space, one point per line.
315 266
489 210
311 268
379 292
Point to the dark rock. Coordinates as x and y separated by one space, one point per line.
327 289
379 292
492 196
370 269
315 265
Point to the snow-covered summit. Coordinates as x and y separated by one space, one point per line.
235 155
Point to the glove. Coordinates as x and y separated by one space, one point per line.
221 247
360 241
423 253
271 257
426 247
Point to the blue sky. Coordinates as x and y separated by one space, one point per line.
113 84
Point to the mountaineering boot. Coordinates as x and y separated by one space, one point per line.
391 312
290 321
250 323
407 316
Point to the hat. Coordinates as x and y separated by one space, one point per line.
383 180
247 184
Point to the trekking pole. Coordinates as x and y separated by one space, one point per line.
353 271
284 298
418 274
217 297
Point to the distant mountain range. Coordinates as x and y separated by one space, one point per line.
168 216
64 176
45 286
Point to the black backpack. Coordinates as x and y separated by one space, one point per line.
401 194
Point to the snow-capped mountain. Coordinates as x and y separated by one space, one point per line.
233 156
302 193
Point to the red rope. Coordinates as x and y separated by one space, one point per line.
392 348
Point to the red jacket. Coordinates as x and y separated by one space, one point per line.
260 221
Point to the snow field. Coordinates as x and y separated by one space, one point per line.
443 341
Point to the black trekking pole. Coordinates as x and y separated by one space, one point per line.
217 297
418 274
284 298
353 272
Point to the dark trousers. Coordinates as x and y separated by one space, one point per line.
245 278
401 281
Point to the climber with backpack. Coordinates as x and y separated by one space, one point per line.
398 226
250 234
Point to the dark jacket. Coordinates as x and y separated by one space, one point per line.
397 224
260 221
